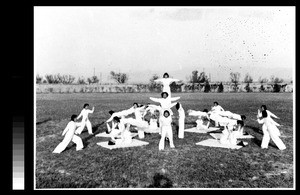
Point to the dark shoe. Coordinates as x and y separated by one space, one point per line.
111 142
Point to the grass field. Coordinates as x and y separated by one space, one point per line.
187 166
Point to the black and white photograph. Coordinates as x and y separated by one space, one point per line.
164 97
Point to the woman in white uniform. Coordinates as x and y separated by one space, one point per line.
166 126
269 128
120 113
203 118
166 81
214 111
165 103
180 120
85 120
153 123
138 113
125 135
69 136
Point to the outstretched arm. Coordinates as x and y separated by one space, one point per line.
271 114
158 80
80 115
155 99
112 116
174 80
91 111
196 113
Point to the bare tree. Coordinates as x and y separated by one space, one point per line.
81 80
275 80
120 78
93 79
262 80
195 78
154 85
39 79
248 78
235 77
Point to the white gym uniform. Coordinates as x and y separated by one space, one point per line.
69 136
85 121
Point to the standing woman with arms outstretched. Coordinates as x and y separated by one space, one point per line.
166 81
85 120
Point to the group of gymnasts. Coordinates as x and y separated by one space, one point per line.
151 118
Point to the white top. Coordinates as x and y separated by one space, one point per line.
165 103
138 112
166 83
217 108
121 113
181 112
84 114
198 113
230 115
70 128
152 109
165 121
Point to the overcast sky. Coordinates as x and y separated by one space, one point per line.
142 41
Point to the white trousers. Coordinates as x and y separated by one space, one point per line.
125 138
181 127
83 124
274 136
166 132
67 139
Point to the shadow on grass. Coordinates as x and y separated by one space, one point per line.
255 129
161 181
44 121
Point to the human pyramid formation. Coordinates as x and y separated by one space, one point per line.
160 121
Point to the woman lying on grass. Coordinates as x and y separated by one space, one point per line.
123 124
232 130
203 118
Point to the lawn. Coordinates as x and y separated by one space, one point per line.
187 166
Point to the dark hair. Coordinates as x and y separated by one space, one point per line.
85 105
116 119
166 111
216 103
205 110
264 113
239 122
162 94
177 105
111 112
264 106
166 74
243 117
73 117
135 103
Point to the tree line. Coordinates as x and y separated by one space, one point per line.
195 79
